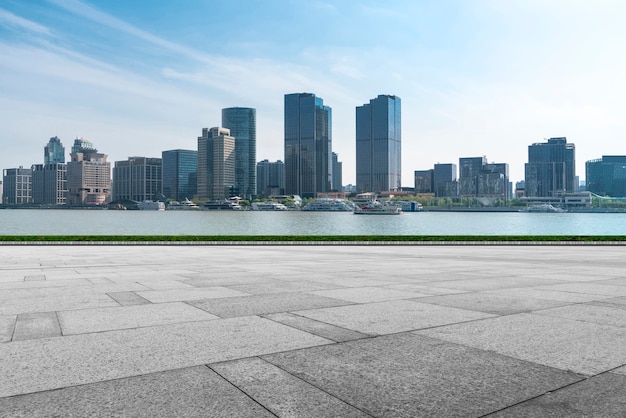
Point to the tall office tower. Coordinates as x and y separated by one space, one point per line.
550 170
444 180
478 178
180 174
606 176
378 145
138 179
308 145
270 178
242 124
17 186
424 181
50 183
337 184
54 152
216 164
88 175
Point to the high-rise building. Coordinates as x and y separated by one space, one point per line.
17 186
216 164
378 145
137 179
478 178
242 124
550 170
606 176
337 174
54 152
270 178
49 183
180 174
88 175
308 145
424 181
444 180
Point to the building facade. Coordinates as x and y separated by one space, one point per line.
180 174
54 152
17 186
137 179
478 178
551 169
606 176
337 184
308 145
445 180
424 181
241 121
216 164
378 145
270 178
49 183
88 175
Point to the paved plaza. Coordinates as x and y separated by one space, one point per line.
313 331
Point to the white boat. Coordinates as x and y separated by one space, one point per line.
376 208
184 205
326 204
545 208
151 205
222 205
268 206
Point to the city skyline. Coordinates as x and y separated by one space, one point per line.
476 78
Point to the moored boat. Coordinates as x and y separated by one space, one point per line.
151 205
270 205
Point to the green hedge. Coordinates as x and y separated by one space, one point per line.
310 238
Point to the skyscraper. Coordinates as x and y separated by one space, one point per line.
337 173
54 152
180 174
378 145
444 180
270 178
606 176
478 178
242 124
88 175
17 186
137 179
216 164
550 170
308 145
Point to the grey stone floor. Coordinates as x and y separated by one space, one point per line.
313 331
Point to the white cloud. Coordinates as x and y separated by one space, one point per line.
9 19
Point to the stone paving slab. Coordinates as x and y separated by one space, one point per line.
189 392
598 396
548 294
108 319
410 375
128 298
365 294
491 303
282 393
321 329
32 326
179 295
599 314
56 303
566 344
63 291
7 325
588 289
279 286
51 363
264 304
391 316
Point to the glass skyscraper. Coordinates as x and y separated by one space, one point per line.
308 145
54 152
550 170
180 174
607 176
242 124
378 145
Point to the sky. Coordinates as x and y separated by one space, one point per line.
476 77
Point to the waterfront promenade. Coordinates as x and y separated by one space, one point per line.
313 331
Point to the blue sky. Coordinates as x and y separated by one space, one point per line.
479 77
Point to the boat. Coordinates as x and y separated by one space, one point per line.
269 205
544 208
225 204
326 204
377 208
151 205
184 205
